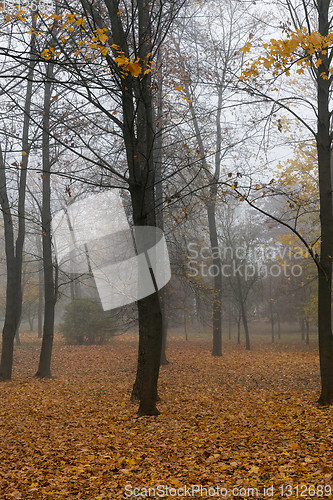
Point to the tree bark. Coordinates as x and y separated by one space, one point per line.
326 219
158 157
307 332
138 133
14 251
217 292
301 321
44 368
229 319
40 302
238 328
210 202
272 319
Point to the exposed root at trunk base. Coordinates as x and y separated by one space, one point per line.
41 376
322 403
149 413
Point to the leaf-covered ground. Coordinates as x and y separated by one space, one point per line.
243 422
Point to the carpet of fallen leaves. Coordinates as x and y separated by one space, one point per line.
246 420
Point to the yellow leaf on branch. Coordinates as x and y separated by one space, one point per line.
246 48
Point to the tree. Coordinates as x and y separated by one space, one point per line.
123 41
50 285
308 48
14 244
239 236
214 139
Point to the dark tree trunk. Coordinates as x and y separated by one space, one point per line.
14 251
138 133
40 302
44 368
157 155
150 331
10 325
326 219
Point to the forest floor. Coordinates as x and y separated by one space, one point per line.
245 425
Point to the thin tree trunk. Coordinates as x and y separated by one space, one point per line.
40 302
17 334
185 325
279 325
302 325
272 319
243 314
246 328
217 292
210 205
238 328
44 368
229 318
157 155
164 360
307 332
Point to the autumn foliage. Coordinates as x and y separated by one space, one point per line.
244 420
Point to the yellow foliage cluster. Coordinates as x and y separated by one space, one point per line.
90 46
300 48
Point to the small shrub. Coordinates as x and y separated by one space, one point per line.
85 322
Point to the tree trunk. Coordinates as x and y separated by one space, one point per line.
302 325
229 318
185 325
14 251
44 368
243 315
157 155
238 328
307 332
326 219
40 302
272 319
139 142
164 360
210 205
17 334
217 292
279 324
246 327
